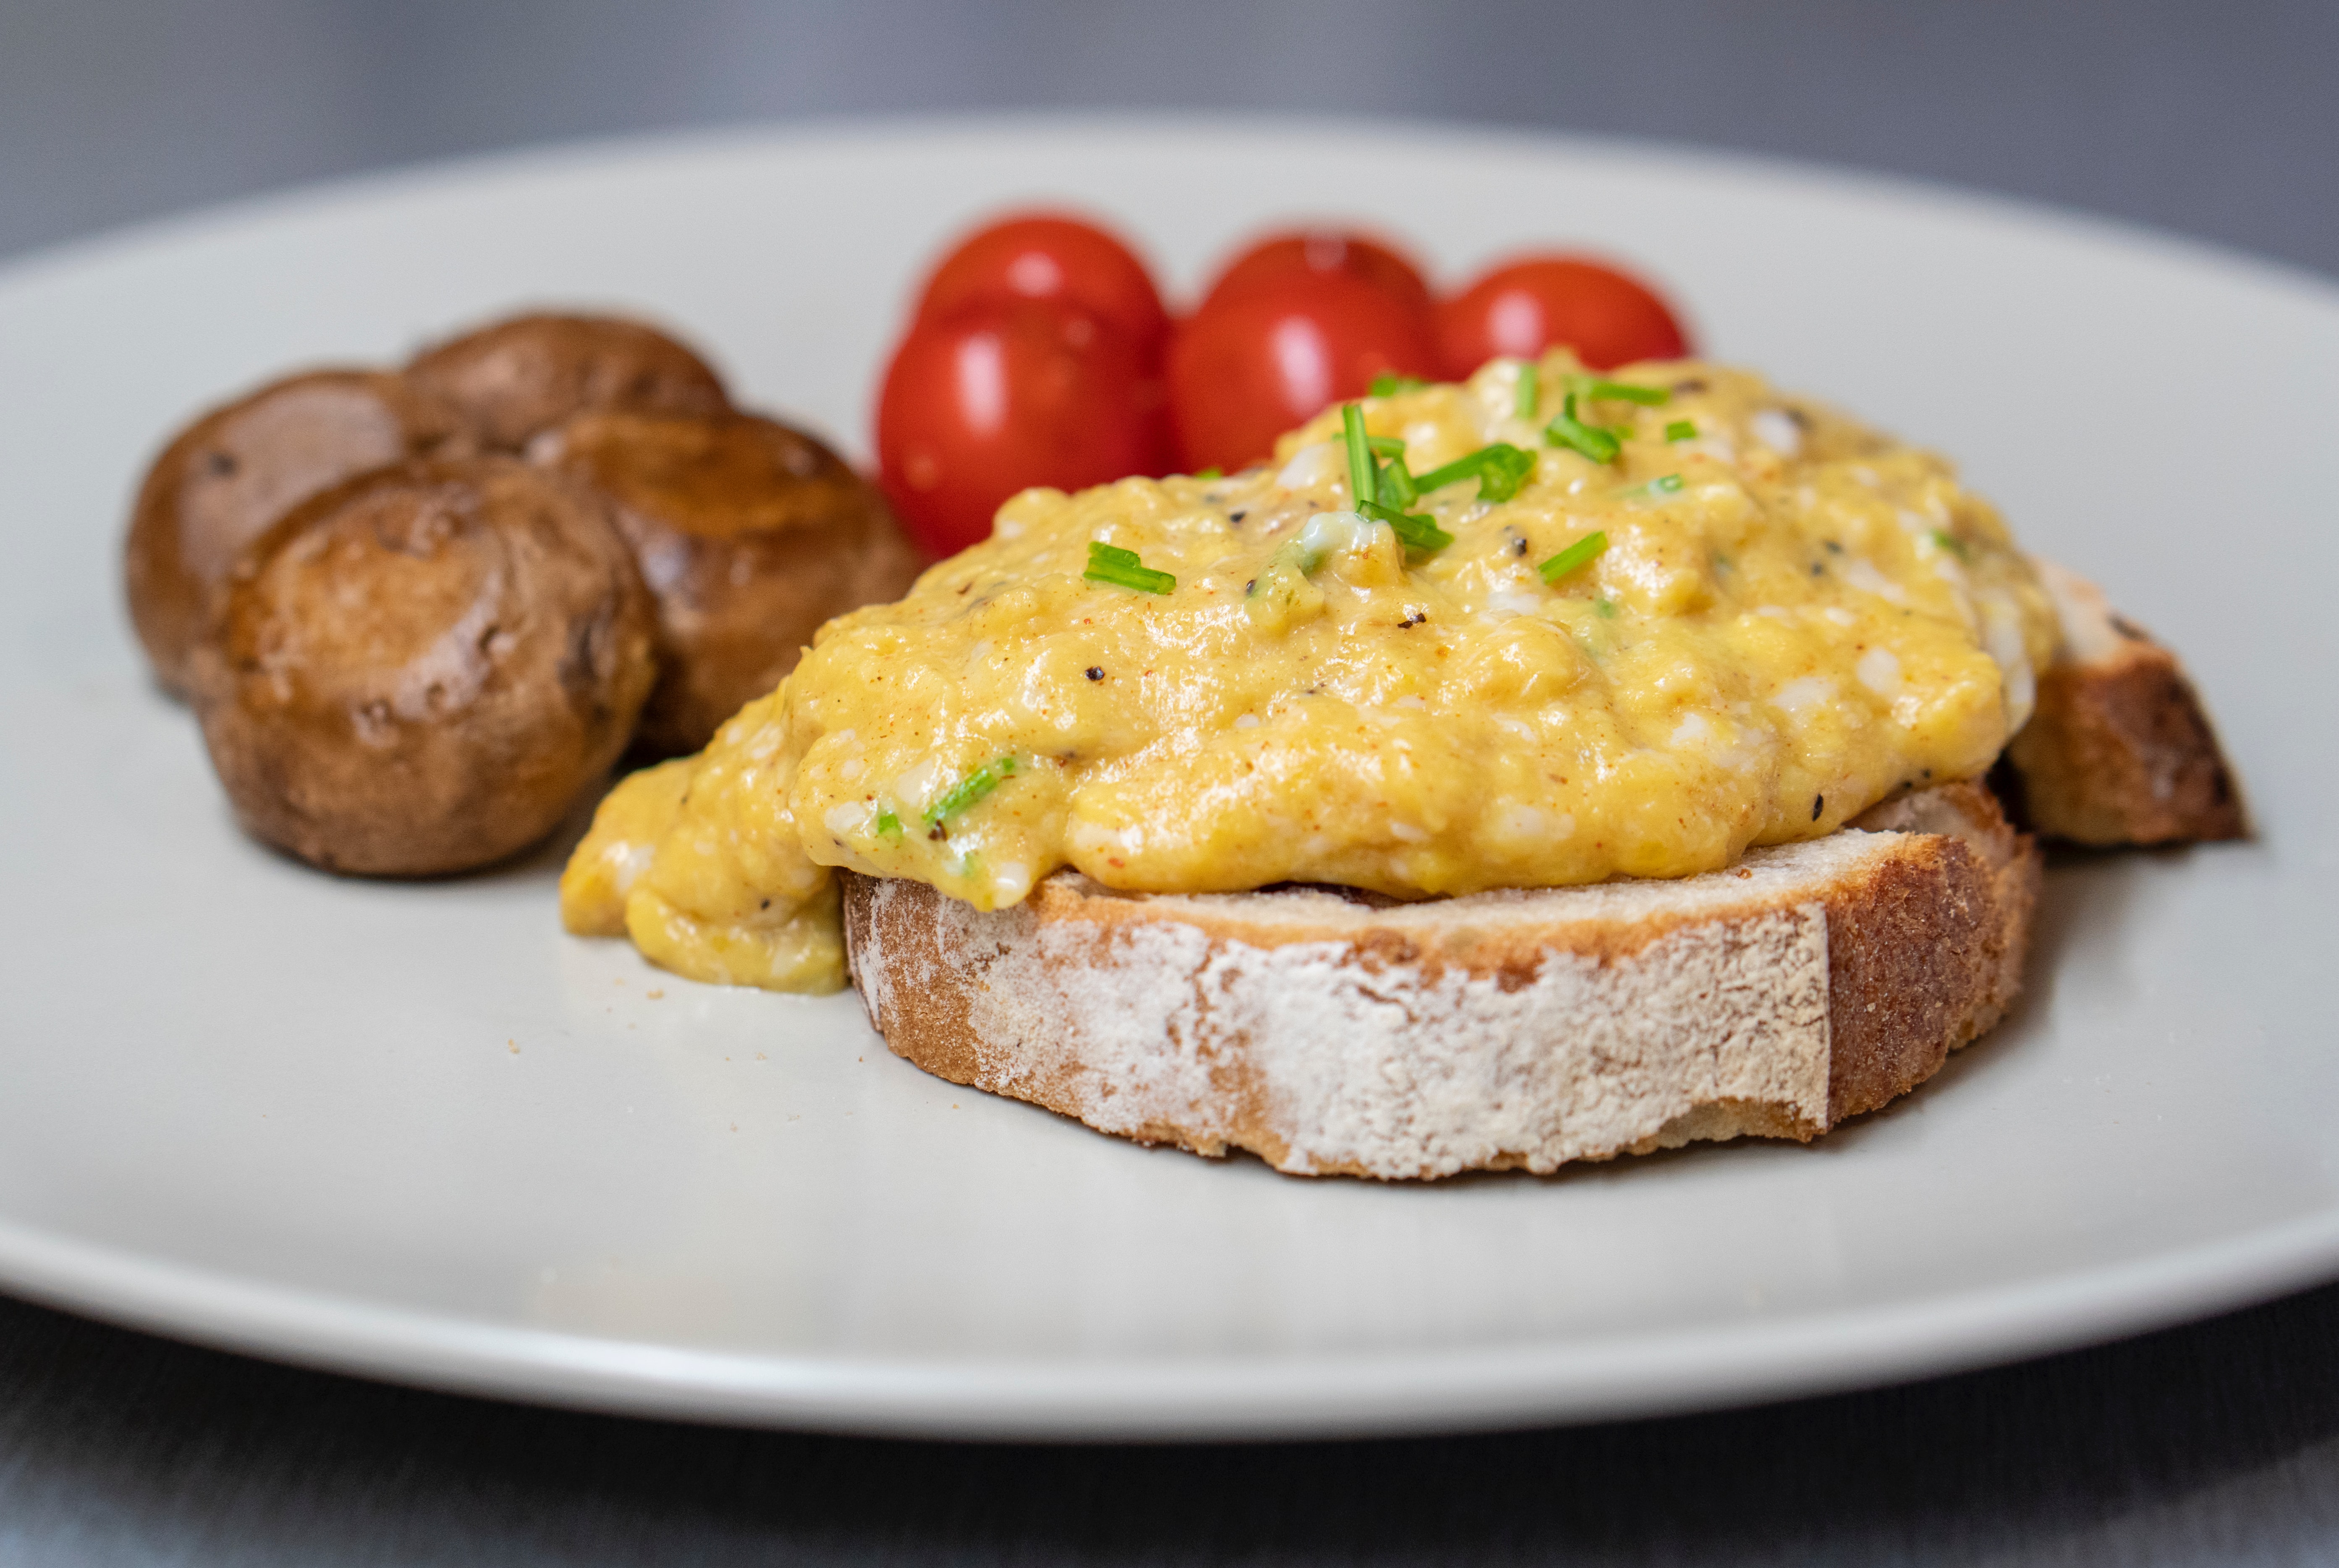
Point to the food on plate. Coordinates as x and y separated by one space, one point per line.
982 400
516 377
749 534
1320 252
1003 394
1260 359
224 478
1531 303
1334 1032
2120 750
418 671
1539 768
1050 256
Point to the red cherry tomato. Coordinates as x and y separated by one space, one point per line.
1320 253
1536 303
1004 394
1249 368
1047 256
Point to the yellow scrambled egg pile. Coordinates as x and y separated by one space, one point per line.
1658 617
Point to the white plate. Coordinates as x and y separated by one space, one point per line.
415 1131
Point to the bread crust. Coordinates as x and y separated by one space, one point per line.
2120 750
1334 1033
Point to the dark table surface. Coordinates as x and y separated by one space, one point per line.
2216 1443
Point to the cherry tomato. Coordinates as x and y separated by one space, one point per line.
1249 368
1319 253
1536 303
1004 394
1048 256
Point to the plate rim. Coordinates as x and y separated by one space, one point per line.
1511 1386
306 197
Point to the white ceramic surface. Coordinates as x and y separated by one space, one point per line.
415 1131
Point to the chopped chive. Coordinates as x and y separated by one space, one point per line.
1593 389
1396 487
1680 430
1567 431
1951 543
1665 485
1607 608
1387 446
969 789
1389 385
1582 553
1500 469
1111 563
1361 472
1530 396
1419 534
1212 472
888 824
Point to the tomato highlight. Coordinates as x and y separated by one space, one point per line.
1004 394
1535 302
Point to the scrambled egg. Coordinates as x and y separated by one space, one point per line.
1785 618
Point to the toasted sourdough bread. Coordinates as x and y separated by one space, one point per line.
1334 1033
2120 750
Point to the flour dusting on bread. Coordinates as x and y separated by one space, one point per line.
1528 1027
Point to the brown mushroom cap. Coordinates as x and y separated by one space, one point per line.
226 477
749 533
518 377
419 671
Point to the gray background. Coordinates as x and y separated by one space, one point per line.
2217 1443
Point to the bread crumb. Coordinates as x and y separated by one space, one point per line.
654 995
514 1045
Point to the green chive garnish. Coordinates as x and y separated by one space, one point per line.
1362 472
969 789
1387 446
1582 553
1420 536
1530 396
1951 543
1665 485
1572 433
1111 563
1389 386
888 824
1212 472
1680 430
1396 487
1593 389
1500 469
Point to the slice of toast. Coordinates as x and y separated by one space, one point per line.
2120 750
1333 1032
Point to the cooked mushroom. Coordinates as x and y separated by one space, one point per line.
749 533
522 375
418 672
236 470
